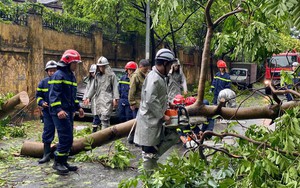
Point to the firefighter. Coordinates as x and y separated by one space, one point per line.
136 83
177 81
63 104
91 77
42 97
105 90
124 111
150 133
221 80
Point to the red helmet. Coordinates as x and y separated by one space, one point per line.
131 65
221 64
190 100
70 56
179 99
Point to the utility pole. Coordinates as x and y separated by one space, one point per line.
147 48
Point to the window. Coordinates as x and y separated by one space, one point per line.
238 72
282 61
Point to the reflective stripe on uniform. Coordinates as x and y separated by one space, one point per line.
76 101
38 99
187 131
42 89
55 104
62 81
223 79
124 82
61 154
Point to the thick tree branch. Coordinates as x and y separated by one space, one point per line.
266 145
282 92
267 111
217 22
207 14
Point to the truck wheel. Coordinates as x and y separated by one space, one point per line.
268 91
250 86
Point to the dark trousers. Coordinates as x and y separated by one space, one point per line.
49 127
124 112
64 129
96 120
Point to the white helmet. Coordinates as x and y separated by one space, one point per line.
93 68
295 64
165 55
50 65
102 61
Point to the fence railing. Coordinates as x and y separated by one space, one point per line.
18 14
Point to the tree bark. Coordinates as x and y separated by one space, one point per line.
35 149
16 102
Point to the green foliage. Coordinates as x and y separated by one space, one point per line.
287 11
4 98
273 163
17 131
86 156
82 133
182 172
4 122
207 94
288 43
286 77
120 158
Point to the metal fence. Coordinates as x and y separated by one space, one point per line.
17 16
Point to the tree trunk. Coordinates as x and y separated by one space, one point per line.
16 102
35 149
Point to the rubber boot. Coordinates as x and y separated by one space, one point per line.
70 167
149 162
47 153
95 128
59 165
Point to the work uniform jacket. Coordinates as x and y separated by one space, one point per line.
220 82
124 89
42 93
154 102
136 84
63 89
93 102
105 88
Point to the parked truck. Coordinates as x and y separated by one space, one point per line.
276 64
243 74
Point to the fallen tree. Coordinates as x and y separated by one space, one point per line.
270 111
16 102
36 149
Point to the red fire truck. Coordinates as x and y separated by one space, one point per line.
276 63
